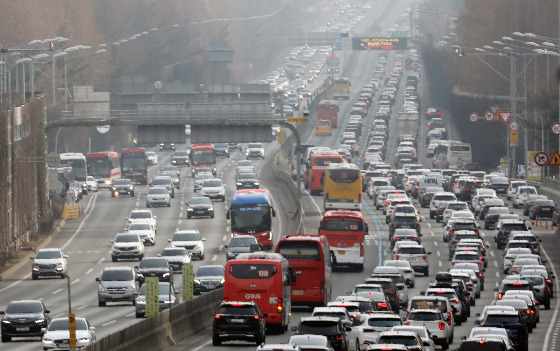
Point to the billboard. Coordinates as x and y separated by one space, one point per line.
379 43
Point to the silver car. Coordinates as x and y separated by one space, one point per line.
158 196
190 240
166 298
49 262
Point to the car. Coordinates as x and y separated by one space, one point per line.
127 245
208 278
437 198
331 327
166 298
24 318
416 255
116 284
408 338
511 254
542 209
92 184
233 146
511 190
505 227
311 342
405 268
200 206
511 321
333 311
175 177
237 320
57 333
221 150
191 240
177 257
397 277
401 220
279 347
485 343
247 181
146 216
122 187
487 204
49 262
152 158
522 194
195 171
435 322
493 214
201 177
439 303
181 158
144 230
453 206
458 306
158 196
254 150
529 236
154 267
514 282
167 146
241 244
423 333
164 181
214 189
389 289
521 306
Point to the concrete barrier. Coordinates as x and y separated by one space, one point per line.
158 333
286 179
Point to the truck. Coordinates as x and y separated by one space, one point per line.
407 124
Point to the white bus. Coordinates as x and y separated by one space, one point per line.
458 154
78 163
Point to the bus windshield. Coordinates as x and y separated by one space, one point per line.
203 157
99 167
78 168
133 162
250 218
300 249
344 175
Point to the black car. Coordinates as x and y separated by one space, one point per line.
404 221
500 184
490 344
24 318
167 146
154 267
460 290
247 181
491 217
208 278
542 209
331 327
234 146
122 187
200 207
181 158
390 290
509 320
236 320
221 150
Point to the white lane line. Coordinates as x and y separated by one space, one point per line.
497 274
555 315
131 314
224 238
482 234
436 244
179 221
180 216
89 271
75 281
221 247
495 263
109 323
81 307
433 234
57 291
200 347
429 225
439 264
438 253
214 258
101 260
492 253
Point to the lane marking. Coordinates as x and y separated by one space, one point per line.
75 281
214 258
57 291
109 323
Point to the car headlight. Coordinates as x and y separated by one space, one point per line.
239 183
196 247
39 321
222 281
59 268
168 302
47 339
131 188
189 209
140 302
196 281
139 275
100 288
114 189
165 275
6 322
83 339
256 183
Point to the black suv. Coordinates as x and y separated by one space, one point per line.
154 267
509 320
221 150
238 321
24 318
331 327
404 221
122 187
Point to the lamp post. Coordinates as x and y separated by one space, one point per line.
54 56
23 61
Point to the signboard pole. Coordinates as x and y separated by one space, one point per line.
152 296
188 282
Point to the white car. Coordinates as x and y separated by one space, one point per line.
310 341
462 216
453 206
214 189
57 334
434 321
254 150
370 325
127 246
152 157
405 268
92 184
511 255
139 216
49 262
200 178
144 230
522 194
423 333
191 240
513 185
158 196
477 202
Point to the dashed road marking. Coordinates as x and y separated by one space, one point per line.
57 291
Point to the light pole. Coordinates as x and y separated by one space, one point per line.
54 56
66 58
34 58
23 61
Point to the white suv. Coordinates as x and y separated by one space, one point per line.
522 194
254 150
416 255
139 216
214 189
435 322
49 262
437 198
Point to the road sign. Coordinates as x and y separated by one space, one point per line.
513 138
555 128
514 126
414 66
188 282
151 296
296 120
473 117
489 116
505 116
555 159
379 43
338 44
72 329
494 109
541 159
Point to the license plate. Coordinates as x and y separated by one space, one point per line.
545 208
237 320
63 345
21 329
297 292
341 252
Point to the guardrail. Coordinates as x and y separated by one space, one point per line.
158 333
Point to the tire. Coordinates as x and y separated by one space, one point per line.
426 272
147 205
216 341
437 219
212 216
6 338
458 322
358 345
102 303
63 276
114 259
132 194
547 304
169 205
432 215
188 217
34 276
139 315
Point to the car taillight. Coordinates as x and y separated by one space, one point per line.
549 281
480 263
256 317
338 337
425 257
517 197
414 238
451 233
396 257
441 326
457 301
500 295
382 304
452 263
217 316
528 311
481 257
368 331
407 323
279 305
537 208
361 250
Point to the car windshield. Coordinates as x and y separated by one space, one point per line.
48 254
181 153
319 328
62 324
140 226
428 304
24 307
501 319
242 242
157 191
117 275
141 214
210 271
127 238
153 263
212 183
389 322
411 250
186 237
423 316
122 182
401 340
174 252
200 201
237 310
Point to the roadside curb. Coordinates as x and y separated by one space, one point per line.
25 260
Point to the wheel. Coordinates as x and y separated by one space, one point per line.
547 304
360 267
514 205
114 259
437 219
63 275
216 341
432 215
173 195
112 194
445 345
358 345
6 338
102 303
169 205
223 199
148 205
426 272
458 322
486 226
212 215
139 315
34 276
202 257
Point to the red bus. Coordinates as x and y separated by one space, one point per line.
345 231
316 168
328 109
203 155
104 166
251 212
265 278
310 258
134 164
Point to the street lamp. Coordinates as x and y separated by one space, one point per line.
23 61
54 56
33 59
66 58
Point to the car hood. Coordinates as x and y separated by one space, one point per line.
121 245
65 334
239 249
117 283
47 261
200 206
209 277
154 270
212 188
176 258
13 316
141 232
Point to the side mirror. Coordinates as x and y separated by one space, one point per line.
112 241
294 328
463 337
64 256
98 280
496 289
226 246
228 215
422 293
428 253
32 257
273 211
43 330
477 314
477 322
169 240
348 329
203 239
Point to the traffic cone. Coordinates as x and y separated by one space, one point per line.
546 224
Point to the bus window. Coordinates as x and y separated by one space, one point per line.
252 271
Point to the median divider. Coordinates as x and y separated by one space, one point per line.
285 178
160 332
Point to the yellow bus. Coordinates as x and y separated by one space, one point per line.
343 187
341 88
